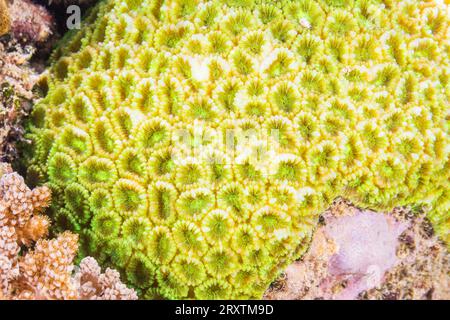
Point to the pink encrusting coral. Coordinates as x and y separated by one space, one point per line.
361 254
365 249
28 32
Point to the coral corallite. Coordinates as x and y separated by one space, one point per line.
155 133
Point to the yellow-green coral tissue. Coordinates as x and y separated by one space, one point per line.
192 144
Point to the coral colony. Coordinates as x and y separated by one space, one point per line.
45 272
193 144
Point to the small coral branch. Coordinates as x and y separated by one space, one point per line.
94 285
361 254
47 271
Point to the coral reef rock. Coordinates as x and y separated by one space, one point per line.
360 254
193 144
17 79
31 35
5 20
32 24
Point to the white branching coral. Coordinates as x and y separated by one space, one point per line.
94 285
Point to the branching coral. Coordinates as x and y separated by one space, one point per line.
31 23
192 144
44 272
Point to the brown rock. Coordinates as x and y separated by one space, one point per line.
5 21
31 23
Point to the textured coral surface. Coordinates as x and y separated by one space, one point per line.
137 134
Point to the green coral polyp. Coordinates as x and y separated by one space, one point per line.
355 92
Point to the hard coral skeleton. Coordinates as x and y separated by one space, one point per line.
45 272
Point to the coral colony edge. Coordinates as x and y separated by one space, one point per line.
192 145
